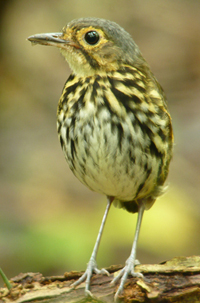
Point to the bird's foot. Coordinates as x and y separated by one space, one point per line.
91 268
127 270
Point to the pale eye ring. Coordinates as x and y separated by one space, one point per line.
92 37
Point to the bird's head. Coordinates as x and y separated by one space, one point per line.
92 46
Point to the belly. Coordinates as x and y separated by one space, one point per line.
110 158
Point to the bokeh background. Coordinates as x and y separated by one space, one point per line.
48 220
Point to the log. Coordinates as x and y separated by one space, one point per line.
177 280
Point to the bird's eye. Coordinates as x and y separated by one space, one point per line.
92 37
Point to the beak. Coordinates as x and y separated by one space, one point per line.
52 39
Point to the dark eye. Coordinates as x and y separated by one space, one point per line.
92 37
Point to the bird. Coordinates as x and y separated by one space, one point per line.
113 125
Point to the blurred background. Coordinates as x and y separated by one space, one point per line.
48 220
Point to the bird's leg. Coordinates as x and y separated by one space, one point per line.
131 261
92 265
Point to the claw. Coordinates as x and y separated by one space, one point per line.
91 267
123 274
123 280
102 271
80 280
88 293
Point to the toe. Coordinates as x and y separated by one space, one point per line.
103 271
